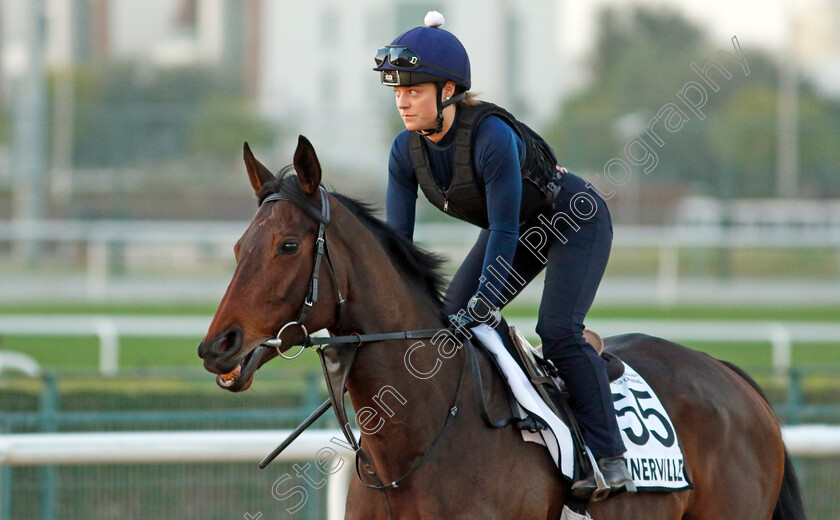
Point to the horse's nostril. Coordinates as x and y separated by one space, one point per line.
228 341
224 343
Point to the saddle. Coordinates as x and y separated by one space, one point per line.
551 387
615 367
542 373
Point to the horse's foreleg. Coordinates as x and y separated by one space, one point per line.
363 503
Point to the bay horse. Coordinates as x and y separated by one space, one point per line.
419 409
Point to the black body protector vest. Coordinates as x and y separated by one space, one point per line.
465 197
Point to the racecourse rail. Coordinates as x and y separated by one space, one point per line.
109 328
42 449
102 239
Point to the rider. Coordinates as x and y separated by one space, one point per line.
476 162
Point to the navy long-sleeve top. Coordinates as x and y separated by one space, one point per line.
498 155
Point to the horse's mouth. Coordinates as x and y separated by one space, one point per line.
242 375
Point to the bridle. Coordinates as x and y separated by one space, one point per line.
312 294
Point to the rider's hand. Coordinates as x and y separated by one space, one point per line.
479 310
462 320
483 310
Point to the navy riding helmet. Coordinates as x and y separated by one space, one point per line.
424 55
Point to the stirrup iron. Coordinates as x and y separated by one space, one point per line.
603 489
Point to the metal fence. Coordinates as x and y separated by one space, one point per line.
810 443
221 487
137 474
60 456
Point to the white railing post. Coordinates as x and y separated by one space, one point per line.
337 485
97 269
668 276
780 338
109 347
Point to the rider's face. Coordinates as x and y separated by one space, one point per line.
417 106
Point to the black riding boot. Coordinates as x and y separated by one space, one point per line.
616 476
590 398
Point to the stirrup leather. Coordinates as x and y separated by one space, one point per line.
545 380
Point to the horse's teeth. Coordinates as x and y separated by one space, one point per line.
230 377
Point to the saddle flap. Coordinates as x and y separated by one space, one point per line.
527 353
533 363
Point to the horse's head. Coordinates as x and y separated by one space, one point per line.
275 262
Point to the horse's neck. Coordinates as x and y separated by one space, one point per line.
391 381
379 297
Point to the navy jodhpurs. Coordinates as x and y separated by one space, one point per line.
573 245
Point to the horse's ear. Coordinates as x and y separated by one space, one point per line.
307 166
257 173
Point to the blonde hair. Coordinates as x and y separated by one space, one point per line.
470 100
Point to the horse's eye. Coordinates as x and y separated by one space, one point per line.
289 247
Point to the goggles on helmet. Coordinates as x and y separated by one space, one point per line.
404 58
398 56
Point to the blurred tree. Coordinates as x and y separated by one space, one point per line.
127 115
819 150
641 55
641 59
745 138
220 125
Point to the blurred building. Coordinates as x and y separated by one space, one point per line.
308 64
816 42
161 33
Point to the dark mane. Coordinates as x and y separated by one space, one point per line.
421 267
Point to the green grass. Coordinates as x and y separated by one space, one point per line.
706 312
81 353
723 312
811 263
698 312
